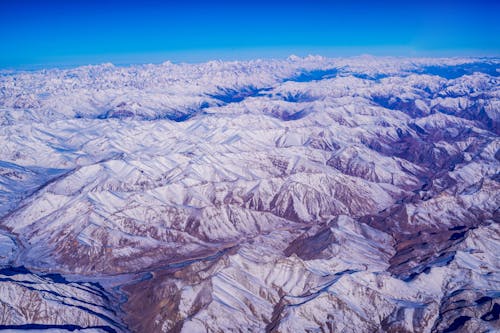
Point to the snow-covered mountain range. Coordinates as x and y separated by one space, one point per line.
299 195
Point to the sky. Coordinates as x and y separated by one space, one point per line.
67 33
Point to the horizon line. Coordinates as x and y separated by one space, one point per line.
194 56
199 57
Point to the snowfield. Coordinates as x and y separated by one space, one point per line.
300 195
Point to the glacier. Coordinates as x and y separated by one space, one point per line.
306 194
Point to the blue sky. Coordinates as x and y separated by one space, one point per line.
65 33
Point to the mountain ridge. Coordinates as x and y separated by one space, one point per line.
281 195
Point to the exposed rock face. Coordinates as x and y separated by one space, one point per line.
314 194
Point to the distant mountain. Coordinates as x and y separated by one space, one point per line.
300 195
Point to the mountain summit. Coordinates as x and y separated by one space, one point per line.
299 195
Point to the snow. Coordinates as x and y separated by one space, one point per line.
244 189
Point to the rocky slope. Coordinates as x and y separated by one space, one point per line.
298 195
